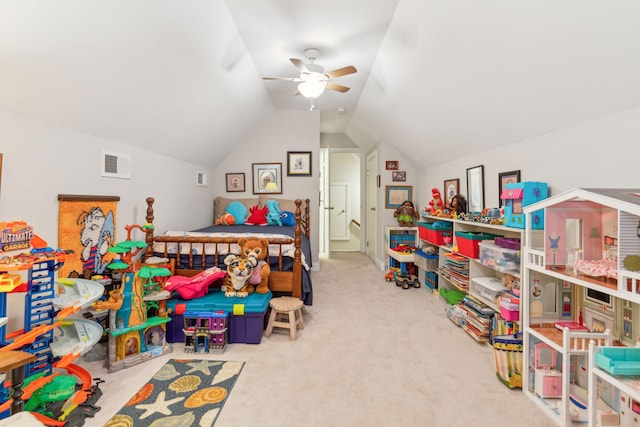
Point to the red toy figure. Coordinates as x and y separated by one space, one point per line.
436 207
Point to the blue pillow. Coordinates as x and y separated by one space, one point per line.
238 210
288 218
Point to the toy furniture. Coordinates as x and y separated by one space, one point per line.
548 378
205 331
285 313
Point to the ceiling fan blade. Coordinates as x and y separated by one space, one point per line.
299 65
290 79
341 72
337 87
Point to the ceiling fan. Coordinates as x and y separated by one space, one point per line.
313 79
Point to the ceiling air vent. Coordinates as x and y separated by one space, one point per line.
201 179
116 165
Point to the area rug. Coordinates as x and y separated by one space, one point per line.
184 392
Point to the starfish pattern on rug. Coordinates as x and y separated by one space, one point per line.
160 405
202 366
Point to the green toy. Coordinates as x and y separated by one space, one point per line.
453 296
60 388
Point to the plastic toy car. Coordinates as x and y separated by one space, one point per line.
406 281
391 274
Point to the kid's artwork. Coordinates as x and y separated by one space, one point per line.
86 225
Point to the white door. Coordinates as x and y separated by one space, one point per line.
371 182
324 203
339 211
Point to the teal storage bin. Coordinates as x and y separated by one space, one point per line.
243 328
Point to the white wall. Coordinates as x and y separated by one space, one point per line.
601 153
41 161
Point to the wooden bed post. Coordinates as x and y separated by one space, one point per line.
297 257
149 230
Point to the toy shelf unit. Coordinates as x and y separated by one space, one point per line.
481 260
401 243
581 283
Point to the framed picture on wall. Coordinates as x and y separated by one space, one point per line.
475 188
395 195
400 176
451 188
235 182
267 178
391 165
298 163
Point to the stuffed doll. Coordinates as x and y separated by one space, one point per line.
258 216
406 213
273 217
239 271
288 218
258 249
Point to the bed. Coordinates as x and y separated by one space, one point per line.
197 250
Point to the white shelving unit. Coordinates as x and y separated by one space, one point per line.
562 293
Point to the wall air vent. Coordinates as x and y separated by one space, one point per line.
116 165
201 179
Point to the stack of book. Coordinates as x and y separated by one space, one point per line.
479 318
455 268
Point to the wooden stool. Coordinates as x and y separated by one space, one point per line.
285 313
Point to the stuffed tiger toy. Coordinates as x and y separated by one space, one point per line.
239 271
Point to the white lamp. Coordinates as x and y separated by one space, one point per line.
313 85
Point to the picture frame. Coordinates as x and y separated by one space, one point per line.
451 188
395 195
399 176
298 163
267 178
235 182
506 178
391 165
475 188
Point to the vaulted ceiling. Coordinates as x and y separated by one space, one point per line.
435 78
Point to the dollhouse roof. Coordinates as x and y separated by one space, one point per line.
624 199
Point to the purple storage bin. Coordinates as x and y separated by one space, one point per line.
508 242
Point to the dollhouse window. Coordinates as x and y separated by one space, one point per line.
517 207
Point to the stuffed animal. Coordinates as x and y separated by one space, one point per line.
436 204
258 216
406 213
226 219
273 217
239 271
288 218
258 249
238 210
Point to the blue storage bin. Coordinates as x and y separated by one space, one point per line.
246 315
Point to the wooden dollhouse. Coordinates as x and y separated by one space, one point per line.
581 285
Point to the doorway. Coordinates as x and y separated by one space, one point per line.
371 179
340 200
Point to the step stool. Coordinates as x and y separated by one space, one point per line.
285 313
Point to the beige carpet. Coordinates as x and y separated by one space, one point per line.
371 354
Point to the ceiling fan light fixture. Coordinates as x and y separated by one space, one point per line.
313 85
